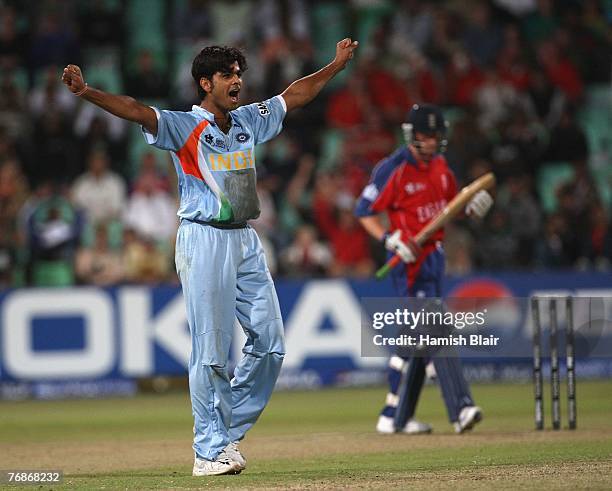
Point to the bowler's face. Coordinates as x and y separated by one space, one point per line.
226 87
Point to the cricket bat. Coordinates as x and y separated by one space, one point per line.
451 210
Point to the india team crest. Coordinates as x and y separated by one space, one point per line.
242 137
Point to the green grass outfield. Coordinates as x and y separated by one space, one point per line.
316 440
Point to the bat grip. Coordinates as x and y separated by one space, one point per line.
387 267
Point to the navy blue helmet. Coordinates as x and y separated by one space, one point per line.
427 119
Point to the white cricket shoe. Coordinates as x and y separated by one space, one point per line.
414 427
468 417
386 426
223 464
233 452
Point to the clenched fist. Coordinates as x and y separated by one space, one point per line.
408 251
73 78
479 205
344 51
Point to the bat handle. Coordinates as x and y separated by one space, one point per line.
387 267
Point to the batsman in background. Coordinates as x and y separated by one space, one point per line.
412 186
219 258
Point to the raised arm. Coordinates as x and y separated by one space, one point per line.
120 105
302 91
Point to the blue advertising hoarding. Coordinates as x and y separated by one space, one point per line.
86 336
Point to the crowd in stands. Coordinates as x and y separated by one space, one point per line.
525 86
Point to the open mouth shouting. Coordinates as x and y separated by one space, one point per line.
234 95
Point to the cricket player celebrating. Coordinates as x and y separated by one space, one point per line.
219 257
412 186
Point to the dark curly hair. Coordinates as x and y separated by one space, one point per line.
213 59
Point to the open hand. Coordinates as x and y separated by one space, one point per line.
73 78
344 51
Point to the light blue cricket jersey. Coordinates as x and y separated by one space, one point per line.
216 171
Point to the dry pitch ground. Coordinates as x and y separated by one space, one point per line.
315 440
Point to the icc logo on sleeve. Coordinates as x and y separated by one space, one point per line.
242 137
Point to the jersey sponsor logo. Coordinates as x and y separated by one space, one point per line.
370 192
430 210
231 161
414 187
242 137
215 142
263 109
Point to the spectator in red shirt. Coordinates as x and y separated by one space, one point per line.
511 66
362 148
332 211
463 79
388 93
560 70
348 107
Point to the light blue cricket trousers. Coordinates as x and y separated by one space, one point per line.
224 276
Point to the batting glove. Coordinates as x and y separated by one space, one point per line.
407 252
480 204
